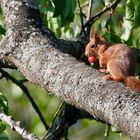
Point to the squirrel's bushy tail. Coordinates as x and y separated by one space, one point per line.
133 83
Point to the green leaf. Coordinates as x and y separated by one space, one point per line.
2 127
45 6
51 25
129 19
64 21
3 103
66 28
111 36
59 6
2 30
137 14
137 43
64 9
4 136
4 107
0 10
69 8
58 31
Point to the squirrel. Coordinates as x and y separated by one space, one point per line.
117 61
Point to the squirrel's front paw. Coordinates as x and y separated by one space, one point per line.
107 77
103 70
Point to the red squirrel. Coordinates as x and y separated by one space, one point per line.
117 61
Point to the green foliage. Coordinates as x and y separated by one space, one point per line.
111 36
129 19
3 108
3 103
46 5
132 17
137 15
2 127
2 30
57 14
3 136
65 10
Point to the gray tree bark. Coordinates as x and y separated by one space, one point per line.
48 62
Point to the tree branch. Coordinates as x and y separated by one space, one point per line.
66 116
99 14
26 92
89 9
81 17
16 127
35 52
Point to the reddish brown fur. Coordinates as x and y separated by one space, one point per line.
133 83
118 60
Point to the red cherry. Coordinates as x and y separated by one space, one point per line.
91 59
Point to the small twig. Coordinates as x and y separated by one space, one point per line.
105 9
81 17
99 14
16 127
89 9
90 2
25 90
107 130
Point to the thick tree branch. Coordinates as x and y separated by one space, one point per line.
16 127
35 53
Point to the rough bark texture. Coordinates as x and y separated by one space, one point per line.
17 128
36 53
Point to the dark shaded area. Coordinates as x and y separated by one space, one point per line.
66 116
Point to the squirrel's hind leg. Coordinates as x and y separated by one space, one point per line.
110 77
115 70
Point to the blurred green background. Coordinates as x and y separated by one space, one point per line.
63 18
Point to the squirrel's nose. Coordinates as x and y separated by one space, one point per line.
86 53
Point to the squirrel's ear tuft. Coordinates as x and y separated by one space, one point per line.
93 33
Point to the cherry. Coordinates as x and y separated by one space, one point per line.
91 59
